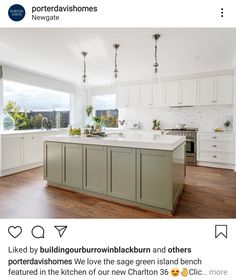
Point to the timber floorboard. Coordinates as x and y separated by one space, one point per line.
208 193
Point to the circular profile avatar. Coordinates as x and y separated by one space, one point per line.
16 12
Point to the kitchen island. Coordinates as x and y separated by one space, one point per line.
141 170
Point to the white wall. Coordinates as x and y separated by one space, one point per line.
78 105
205 118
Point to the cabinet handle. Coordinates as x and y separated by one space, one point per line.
32 137
46 160
214 137
22 137
214 146
214 156
64 164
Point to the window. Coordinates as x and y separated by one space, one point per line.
28 105
105 108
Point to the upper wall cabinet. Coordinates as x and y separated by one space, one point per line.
172 93
215 90
134 96
206 91
152 95
128 96
181 93
224 90
122 97
188 92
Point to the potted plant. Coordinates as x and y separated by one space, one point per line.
89 110
227 124
97 123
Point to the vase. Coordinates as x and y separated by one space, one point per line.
8 121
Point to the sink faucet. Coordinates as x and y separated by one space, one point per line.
42 122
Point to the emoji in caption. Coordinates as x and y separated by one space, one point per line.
174 272
184 272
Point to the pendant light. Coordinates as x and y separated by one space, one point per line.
84 76
156 65
116 46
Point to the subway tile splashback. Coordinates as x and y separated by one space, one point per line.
205 118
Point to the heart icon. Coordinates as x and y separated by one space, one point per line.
15 231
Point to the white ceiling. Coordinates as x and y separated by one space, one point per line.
57 52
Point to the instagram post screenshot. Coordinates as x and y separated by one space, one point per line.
117 140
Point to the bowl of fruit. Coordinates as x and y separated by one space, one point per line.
74 131
218 129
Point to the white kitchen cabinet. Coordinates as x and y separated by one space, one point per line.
146 95
158 95
181 93
21 151
40 145
172 93
12 156
30 149
134 96
215 90
216 149
206 91
224 90
129 96
188 92
152 95
122 97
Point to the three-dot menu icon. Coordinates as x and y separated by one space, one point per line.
222 12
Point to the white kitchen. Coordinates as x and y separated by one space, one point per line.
118 123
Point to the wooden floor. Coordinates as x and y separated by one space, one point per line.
209 193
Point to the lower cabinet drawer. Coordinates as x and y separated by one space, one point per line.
218 146
216 157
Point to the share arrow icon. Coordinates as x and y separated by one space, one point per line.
61 230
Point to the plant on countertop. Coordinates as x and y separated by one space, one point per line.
89 110
156 125
97 122
227 123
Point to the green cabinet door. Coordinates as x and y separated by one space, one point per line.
53 162
95 168
73 165
154 181
121 173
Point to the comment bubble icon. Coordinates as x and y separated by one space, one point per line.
38 232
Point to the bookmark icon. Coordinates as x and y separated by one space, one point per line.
61 230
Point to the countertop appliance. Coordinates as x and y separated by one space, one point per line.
191 142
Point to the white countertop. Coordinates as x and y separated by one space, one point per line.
154 142
31 131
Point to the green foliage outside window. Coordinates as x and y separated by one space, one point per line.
109 120
22 120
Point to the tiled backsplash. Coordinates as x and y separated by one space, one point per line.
205 118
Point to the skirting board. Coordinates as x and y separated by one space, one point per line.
20 169
216 165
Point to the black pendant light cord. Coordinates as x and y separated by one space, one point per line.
116 46
156 37
84 76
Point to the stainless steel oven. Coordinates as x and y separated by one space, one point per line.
191 142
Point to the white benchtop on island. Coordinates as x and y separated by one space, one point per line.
154 142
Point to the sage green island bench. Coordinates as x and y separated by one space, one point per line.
147 171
